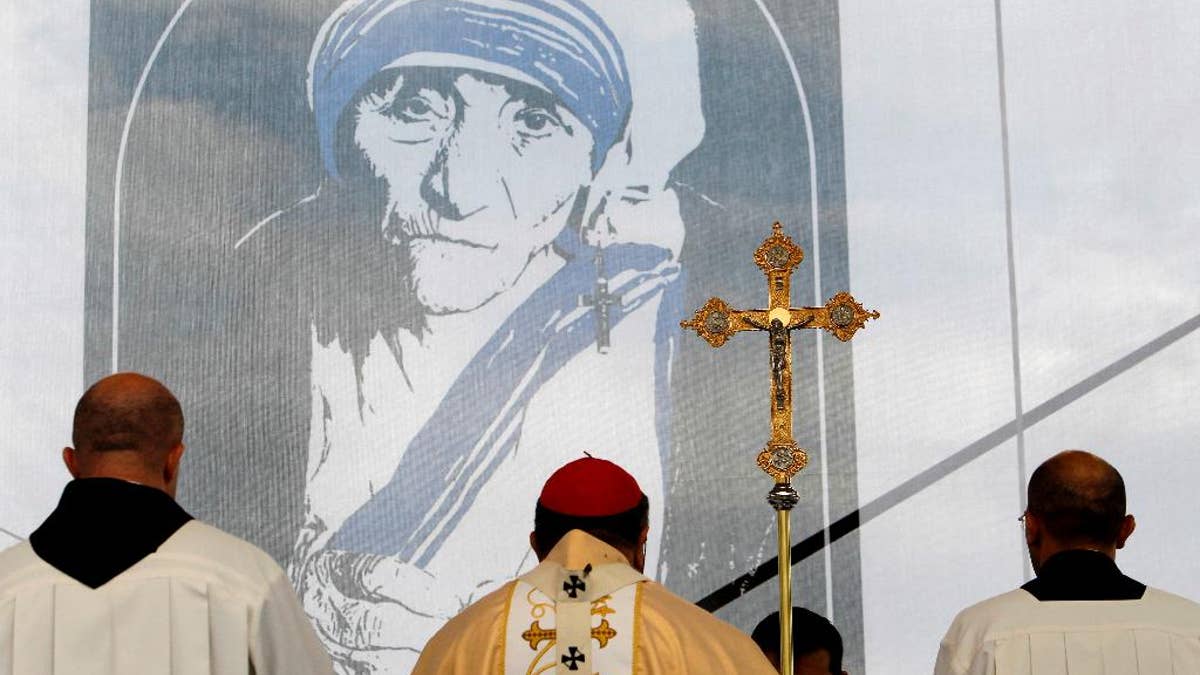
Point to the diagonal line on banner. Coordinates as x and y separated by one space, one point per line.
909 488
12 534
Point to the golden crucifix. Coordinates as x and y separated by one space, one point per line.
716 322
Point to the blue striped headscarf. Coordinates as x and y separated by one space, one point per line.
562 46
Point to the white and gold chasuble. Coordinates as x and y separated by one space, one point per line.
585 610
573 622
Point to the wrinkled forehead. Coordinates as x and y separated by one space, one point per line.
456 66
473 86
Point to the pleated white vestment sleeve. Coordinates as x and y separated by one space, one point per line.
205 603
1015 634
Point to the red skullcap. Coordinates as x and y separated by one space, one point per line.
590 487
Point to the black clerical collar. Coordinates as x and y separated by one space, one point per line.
1083 575
104 526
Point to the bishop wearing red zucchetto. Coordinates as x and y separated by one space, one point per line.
587 607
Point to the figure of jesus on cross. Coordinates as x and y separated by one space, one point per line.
782 458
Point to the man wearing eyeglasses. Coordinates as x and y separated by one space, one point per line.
1081 614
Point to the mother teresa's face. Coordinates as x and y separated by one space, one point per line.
481 174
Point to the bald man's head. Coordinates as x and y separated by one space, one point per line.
127 412
1079 498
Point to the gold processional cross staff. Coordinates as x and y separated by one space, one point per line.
716 322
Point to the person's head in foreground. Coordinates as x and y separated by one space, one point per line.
1076 501
816 643
127 426
597 497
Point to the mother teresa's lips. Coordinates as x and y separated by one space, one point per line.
442 239
430 227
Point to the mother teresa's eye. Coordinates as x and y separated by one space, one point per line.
538 122
407 109
423 106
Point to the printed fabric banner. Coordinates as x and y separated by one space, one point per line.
402 259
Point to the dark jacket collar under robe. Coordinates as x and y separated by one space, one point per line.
1083 575
104 526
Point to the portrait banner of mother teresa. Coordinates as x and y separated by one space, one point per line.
401 259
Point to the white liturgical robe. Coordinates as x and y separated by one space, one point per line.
203 603
635 625
1016 634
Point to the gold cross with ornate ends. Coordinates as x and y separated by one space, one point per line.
716 322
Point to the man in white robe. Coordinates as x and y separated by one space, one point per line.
587 607
120 580
1080 615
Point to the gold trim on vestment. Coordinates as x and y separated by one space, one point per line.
637 625
504 626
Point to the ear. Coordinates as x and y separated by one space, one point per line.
1128 525
1033 530
534 545
639 552
170 473
71 461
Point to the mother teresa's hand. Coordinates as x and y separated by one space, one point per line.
374 613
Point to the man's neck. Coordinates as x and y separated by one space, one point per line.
1082 574
129 476
1053 548
577 548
